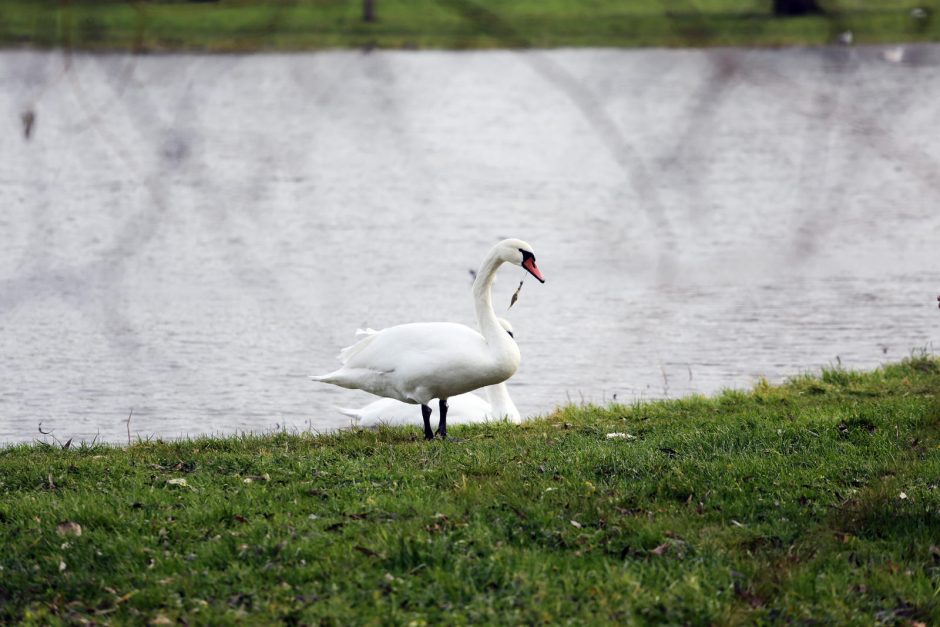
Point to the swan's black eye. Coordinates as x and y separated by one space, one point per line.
526 255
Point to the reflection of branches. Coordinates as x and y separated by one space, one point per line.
123 77
605 128
815 166
98 113
682 15
706 100
829 113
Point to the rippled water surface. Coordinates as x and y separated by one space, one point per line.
189 236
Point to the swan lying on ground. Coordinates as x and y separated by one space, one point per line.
461 409
466 408
415 363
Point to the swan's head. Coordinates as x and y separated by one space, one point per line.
520 253
505 324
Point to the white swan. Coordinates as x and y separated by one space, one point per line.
417 362
461 409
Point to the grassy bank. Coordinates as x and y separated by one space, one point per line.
816 500
248 25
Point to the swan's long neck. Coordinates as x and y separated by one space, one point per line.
501 405
503 347
483 297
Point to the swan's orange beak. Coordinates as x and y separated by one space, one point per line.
529 264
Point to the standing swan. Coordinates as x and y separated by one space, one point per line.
417 362
462 409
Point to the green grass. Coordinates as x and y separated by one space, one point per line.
248 25
818 500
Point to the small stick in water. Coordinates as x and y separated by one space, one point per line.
515 295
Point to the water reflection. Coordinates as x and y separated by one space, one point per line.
189 236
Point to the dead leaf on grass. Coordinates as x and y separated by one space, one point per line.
367 551
69 528
253 478
746 595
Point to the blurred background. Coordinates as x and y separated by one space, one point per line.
201 201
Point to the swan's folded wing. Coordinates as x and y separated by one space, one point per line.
426 345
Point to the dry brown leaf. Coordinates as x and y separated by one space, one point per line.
366 551
515 295
69 528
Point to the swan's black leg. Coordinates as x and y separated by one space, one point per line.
426 414
442 425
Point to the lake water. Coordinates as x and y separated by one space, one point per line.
189 236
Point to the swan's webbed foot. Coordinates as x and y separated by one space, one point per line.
426 414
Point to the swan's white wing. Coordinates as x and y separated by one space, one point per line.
383 350
389 348
417 362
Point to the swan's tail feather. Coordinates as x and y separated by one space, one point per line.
351 351
367 331
346 411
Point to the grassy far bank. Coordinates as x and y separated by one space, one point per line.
250 25
816 500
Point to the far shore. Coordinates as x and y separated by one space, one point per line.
243 27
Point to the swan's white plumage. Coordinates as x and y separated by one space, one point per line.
418 362
462 409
